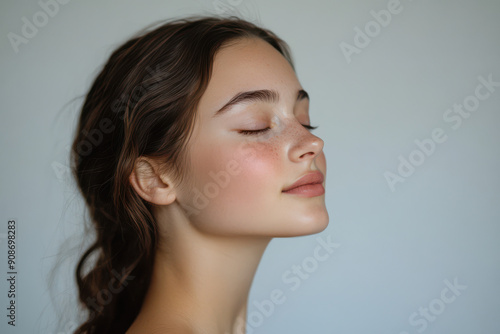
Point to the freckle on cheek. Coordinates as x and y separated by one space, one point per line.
274 151
261 161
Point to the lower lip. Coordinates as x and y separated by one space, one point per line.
307 190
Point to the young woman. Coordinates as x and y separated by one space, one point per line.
193 150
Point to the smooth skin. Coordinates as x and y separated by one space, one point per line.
213 234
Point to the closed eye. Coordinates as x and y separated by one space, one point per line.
256 132
309 127
253 132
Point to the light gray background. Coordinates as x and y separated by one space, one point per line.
396 248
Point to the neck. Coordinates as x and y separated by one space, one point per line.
204 279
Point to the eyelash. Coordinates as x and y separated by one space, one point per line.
256 132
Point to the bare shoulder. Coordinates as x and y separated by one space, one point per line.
171 330
174 326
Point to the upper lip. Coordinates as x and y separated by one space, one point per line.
309 178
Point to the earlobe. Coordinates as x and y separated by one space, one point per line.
150 184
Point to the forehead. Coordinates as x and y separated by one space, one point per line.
245 65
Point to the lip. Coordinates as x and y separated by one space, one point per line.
308 185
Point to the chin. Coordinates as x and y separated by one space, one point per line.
301 226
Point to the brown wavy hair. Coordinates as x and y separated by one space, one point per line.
142 103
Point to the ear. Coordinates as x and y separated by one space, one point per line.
152 186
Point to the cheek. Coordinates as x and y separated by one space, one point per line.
237 179
259 167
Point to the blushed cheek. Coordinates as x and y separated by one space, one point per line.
247 177
258 167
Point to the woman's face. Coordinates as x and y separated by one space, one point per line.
236 181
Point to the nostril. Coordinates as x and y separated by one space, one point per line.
307 153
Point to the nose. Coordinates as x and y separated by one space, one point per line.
305 146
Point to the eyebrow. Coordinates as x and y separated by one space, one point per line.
261 95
